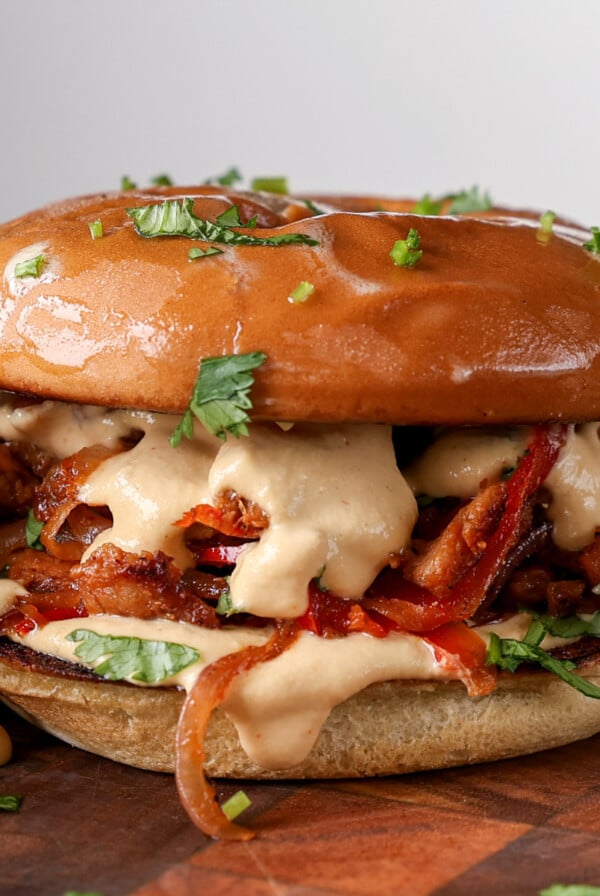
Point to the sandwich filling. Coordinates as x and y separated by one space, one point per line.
359 553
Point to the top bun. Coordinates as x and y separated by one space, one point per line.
493 324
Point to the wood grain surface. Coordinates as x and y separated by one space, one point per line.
90 825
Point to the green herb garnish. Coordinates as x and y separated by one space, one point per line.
235 805
302 292
570 890
230 177
31 267
547 221
225 606
427 206
593 245
96 229
33 530
508 654
469 201
406 253
196 252
127 183
10 803
176 218
135 658
221 397
312 207
162 180
270 185
231 218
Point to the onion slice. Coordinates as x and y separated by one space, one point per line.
209 691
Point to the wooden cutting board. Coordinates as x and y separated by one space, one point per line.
510 828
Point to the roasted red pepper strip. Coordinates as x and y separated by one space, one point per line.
217 554
329 615
197 794
460 651
412 608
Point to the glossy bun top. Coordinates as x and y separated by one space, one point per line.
493 324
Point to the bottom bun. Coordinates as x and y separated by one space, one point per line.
389 728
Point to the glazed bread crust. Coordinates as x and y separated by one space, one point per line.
493 324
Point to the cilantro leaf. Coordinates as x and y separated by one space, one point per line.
469 201
220 397
227 179
196 252
593 245
508 654
176 218
406 253
33 530
162 180
427 206
127 183
136 658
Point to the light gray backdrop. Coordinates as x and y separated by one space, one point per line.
397 97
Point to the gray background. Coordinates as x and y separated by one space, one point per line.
381 96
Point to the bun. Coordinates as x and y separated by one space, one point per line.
123 321
419 725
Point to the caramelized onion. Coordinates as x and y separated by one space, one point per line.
196 792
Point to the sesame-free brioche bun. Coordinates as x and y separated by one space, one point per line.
388 728
493 324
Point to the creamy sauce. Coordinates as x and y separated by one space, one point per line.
458 462
150 487
62 429
574 484
9 591
277 708
337 506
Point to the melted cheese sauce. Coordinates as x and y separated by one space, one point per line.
337 506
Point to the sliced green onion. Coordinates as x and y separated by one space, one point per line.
270 185
406 253
593 245
10 803
32 267
127 183
235 805
96 229
302 292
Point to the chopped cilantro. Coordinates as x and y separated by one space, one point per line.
406 253
220 397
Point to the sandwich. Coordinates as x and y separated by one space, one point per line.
292 490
